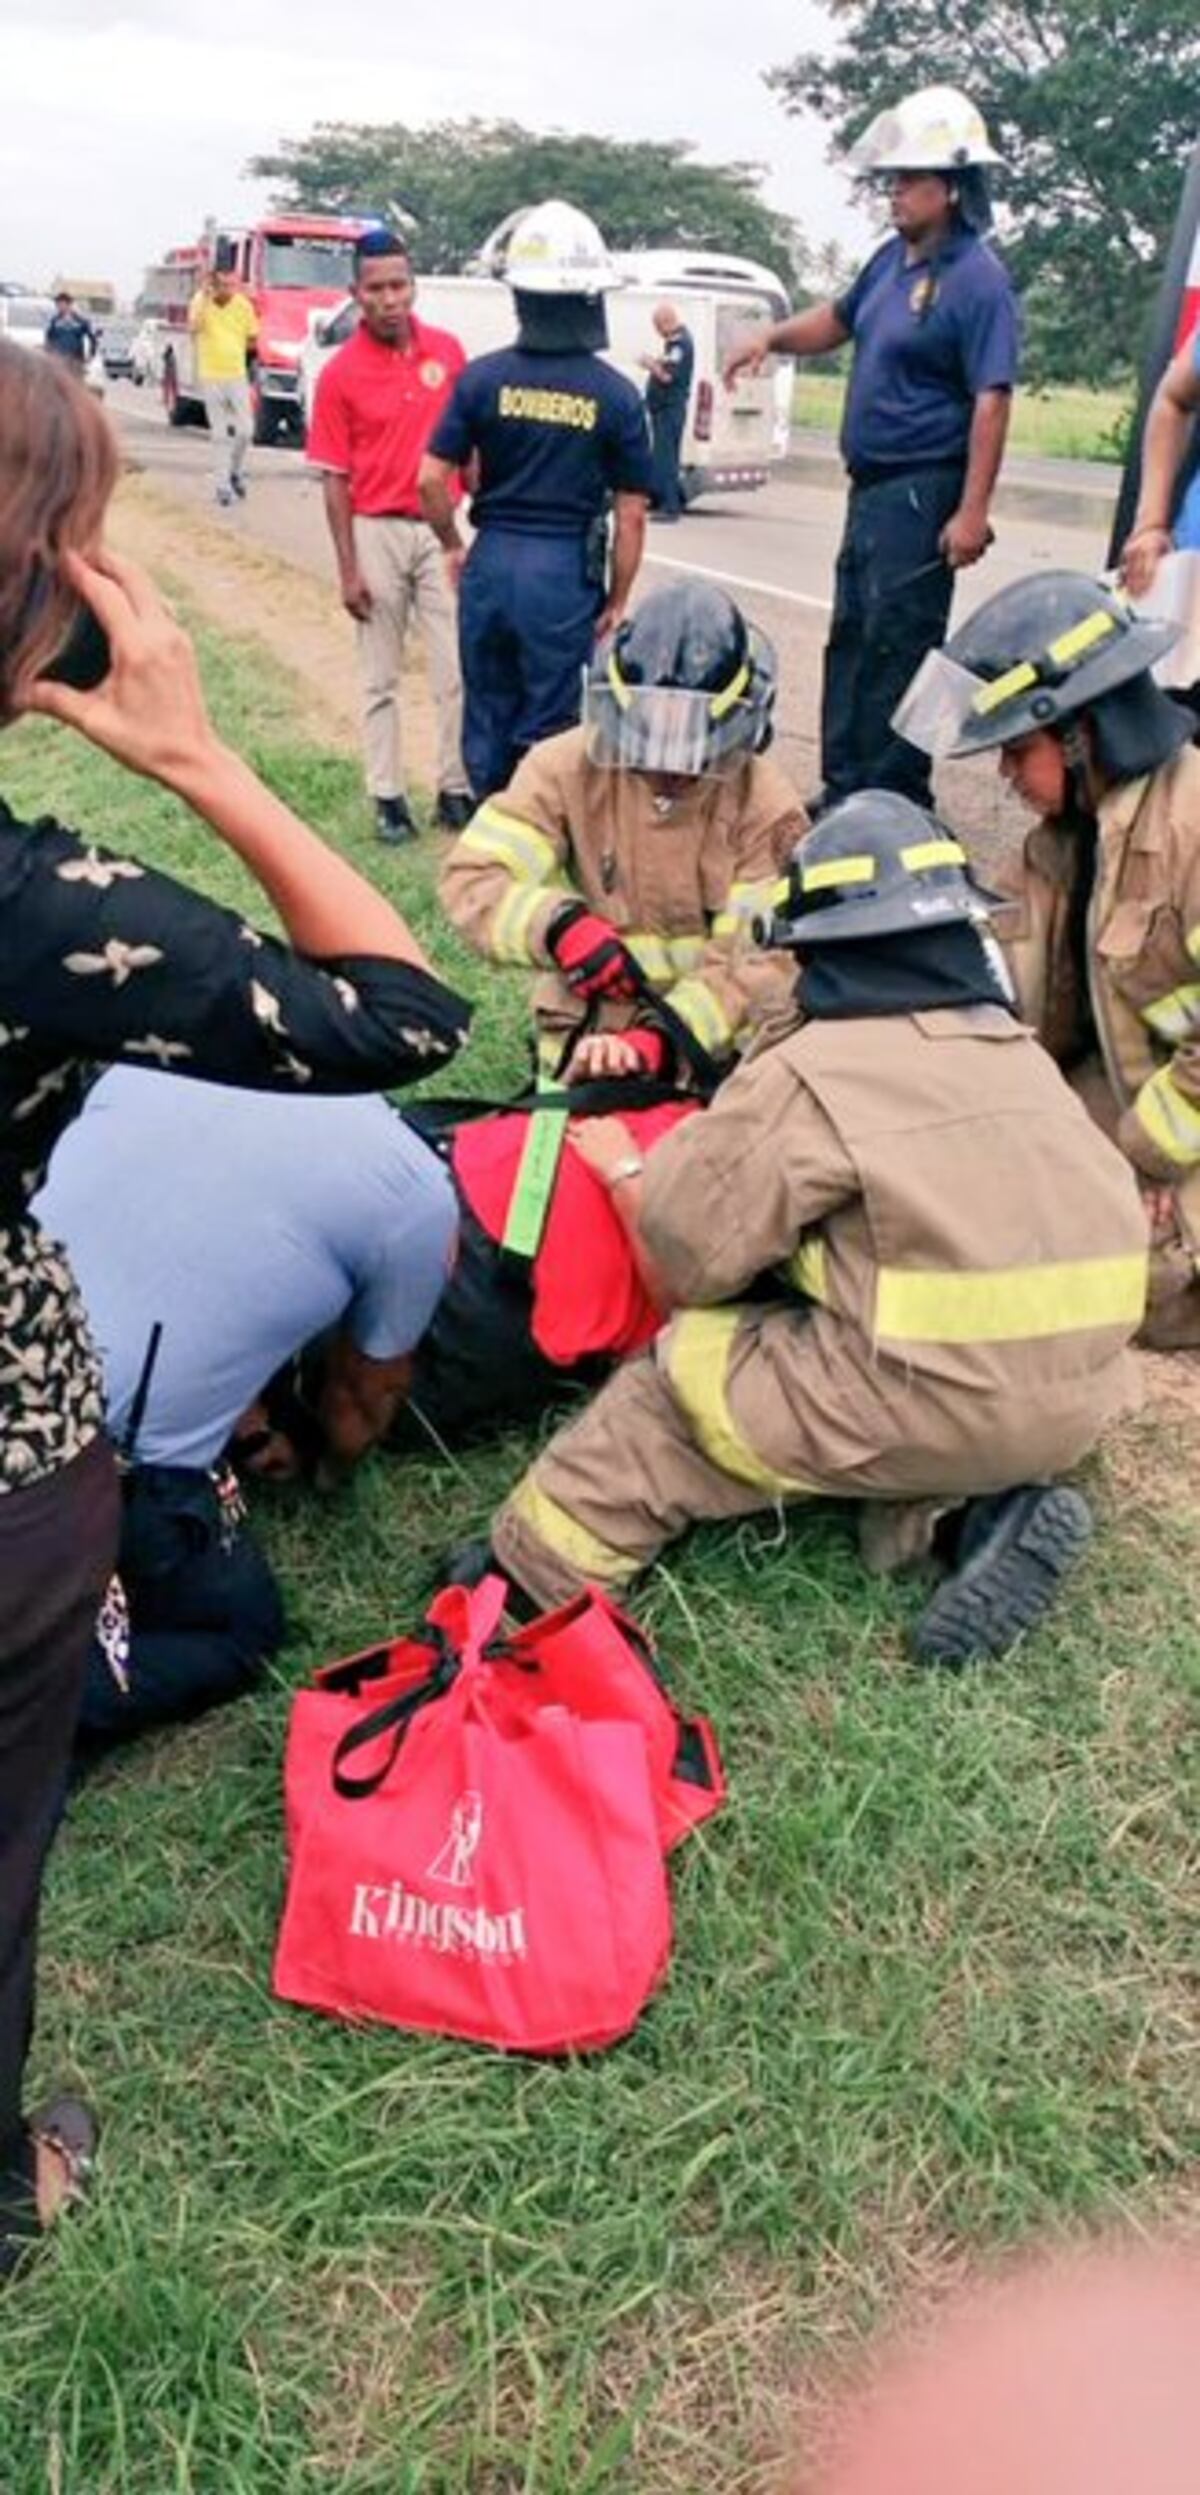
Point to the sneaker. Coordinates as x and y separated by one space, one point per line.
1014 1549
393 822
454 810
237 485
224 496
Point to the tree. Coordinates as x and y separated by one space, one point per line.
1093 103
456 180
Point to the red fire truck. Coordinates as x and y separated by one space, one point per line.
289 267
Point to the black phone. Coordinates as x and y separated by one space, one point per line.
85 657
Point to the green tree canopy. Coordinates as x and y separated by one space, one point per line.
457 179
1094 104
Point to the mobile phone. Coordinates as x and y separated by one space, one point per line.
85 657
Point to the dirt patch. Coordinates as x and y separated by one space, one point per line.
250 592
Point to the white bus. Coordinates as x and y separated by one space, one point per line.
732 438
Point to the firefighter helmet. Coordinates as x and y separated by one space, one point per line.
555 249
685 686
875 865
1030 657
936 130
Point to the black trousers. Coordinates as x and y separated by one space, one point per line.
666 440
204 1607
891 604
478 1367
58 1547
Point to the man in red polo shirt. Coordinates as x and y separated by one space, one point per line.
376 404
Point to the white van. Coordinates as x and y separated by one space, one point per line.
732 439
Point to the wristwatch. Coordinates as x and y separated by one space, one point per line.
630 1167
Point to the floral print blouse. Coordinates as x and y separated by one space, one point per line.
104 959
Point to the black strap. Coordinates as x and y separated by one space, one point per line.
141 1394
395 1716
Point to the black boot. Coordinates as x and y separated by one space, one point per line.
468 1563
1013 1550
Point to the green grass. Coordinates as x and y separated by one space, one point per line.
933 1989
1057 423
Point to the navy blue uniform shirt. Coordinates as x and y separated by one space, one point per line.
68 334
679 354
929 336
555 435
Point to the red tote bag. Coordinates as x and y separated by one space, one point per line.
469 1863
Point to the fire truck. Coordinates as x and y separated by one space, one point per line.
289 266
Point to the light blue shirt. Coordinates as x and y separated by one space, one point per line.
244 1223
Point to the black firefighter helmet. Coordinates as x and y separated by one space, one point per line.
1033 656
685 686
875 865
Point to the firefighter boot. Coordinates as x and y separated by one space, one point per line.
1013 1550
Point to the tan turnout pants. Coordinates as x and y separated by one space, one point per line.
405 570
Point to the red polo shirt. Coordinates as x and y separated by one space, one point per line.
374 411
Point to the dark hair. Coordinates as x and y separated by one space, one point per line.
58 466
380 244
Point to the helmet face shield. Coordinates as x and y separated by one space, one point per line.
936 708
654 727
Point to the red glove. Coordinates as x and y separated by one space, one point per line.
653 1047
590 954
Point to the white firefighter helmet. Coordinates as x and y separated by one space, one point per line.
937 130
555 250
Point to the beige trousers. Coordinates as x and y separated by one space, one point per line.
405 570
230 422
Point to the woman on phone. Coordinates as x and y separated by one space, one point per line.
102 959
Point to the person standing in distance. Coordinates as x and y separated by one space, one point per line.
224 324
934 324
376 404
554 432
70 333
667 392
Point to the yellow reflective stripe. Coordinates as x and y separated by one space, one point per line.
859 870
1002 688
504 837
509 934
807 1269
1174 1016
696 1005
697 1348
1012 1304
567 1538
1095 627
651 955
923 853
745 902
621 692
732 692
1171 1120
1192 942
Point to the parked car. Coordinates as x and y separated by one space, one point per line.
25 318
116 348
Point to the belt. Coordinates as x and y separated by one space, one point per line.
389 515
880 474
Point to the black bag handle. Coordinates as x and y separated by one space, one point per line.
395 1715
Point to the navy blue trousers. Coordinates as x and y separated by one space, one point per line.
884 621
526 624
666 438
204 1608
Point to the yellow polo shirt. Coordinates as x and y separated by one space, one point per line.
223 332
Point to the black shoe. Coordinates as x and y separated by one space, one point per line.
1013 1551
237 485
468 1563
393 822
454 810
665 519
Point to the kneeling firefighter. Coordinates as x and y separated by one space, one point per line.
967 1254
628 857
1104 935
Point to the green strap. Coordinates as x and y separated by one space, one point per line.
534 1188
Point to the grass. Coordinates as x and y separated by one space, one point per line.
1054 423
933 1989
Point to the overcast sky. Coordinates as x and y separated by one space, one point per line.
121 128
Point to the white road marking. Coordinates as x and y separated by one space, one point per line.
739 580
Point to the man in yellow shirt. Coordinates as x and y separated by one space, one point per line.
224 325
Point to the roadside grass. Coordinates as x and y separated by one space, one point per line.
934 1987
1058 423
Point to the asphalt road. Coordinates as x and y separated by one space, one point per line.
773 549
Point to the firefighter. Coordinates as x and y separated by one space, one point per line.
1104 937
550 432
967 1253
628 857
